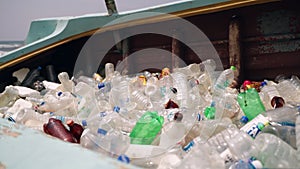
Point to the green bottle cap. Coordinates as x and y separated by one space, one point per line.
232 67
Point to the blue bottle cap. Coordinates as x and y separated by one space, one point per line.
188 146
11 119
84 123
213 104
51 113
244 119
124 158
116 109
41 104
101 85
101 131
264 83
199 117
39 68
59 93
103 114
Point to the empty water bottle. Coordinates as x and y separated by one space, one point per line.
67 85
9 95
274 152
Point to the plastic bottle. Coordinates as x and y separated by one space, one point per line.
172 132
202 156
180 83
288 91
51 74
270 93
209 67
219 90
146 128
56 128
284 132
109 71
295 81
274 152
67 85
297 130
120 92
191 71
283 115
9 95
93 121
250 103
143 102
110 143
75 129
31 77
206 129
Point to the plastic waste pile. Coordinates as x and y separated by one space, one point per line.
190 118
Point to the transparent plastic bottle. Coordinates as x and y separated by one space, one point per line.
209 67
67 85
288 91
219 90
9 95
274 152
286 114
284 132
120 92
109 71
268 92
32 119
93 121
180 83
172 132
202 156
297 130
234 146
295 81
191 71
143 102
62 103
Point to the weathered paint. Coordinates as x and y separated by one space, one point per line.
276 24
22 147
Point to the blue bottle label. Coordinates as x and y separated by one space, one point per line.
253 127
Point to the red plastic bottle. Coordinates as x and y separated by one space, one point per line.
55 128
75 129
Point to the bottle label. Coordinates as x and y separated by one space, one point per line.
253 127
227 156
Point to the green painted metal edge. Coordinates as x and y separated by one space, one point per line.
45 32
22 147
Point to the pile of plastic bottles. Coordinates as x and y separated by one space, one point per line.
192 117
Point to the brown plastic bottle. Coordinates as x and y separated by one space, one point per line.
55 128
75 129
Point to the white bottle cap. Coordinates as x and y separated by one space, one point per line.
257 164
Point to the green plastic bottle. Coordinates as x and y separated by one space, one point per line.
250 103
146 128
